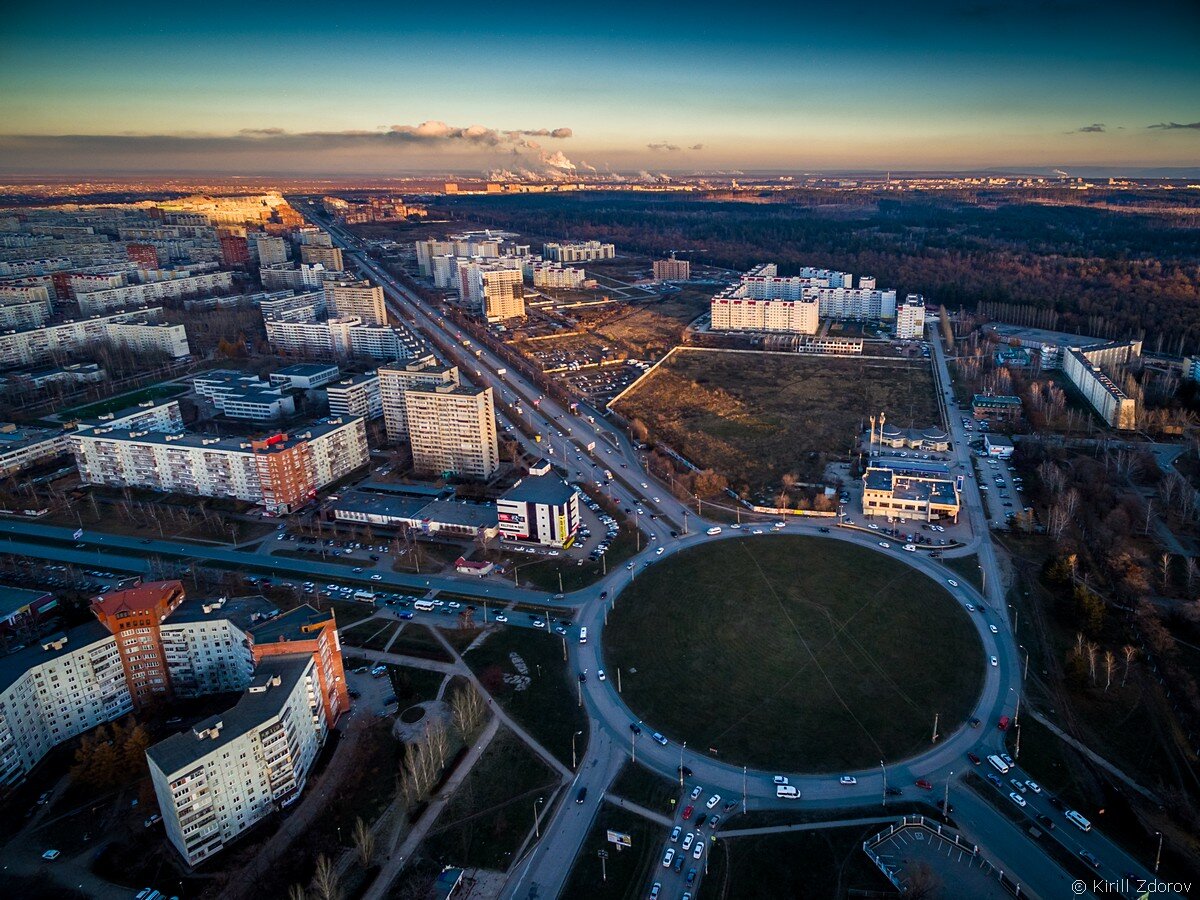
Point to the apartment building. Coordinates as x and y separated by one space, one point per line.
452 430
229 771
152 415
359 299
496 292
539 509
585 251
1085 368
56 689
235 251
556 275
139 330
358 395
395 381
338 338
106 300
304 277
134 617
145 255
672 269
329 257
910 318
280 472
732 313
23 447
910 490
762 301
267 249
293 306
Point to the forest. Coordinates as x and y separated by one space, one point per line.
1115 264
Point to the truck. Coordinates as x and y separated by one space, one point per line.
502 372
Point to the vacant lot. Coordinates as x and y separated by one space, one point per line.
492 810
794 654
650 329
755 417
628 870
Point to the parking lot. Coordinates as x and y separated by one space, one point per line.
1000 487
915 853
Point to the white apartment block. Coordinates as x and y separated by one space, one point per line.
482 244
763 301
280 472
910 318
452 429
358 395
24 446
152 415
556 275
585 251
343 337
356 298
139 330
104 301
1083 366
55 690
395 381
210 656
303 278
229 771
495 291
293 306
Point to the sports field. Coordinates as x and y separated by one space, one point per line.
797 654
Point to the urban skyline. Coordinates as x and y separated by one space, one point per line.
943 86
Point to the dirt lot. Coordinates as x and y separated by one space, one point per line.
756 417
649 330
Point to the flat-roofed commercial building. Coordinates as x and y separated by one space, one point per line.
358 395
395 380
305 376
439 516
540 509
231 770
242 396
1003 407
452 430
910 490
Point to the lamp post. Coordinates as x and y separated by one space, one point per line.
573 760
681 749
1158 855
883 769
537 830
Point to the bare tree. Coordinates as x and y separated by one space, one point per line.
1110 663
1129 652
297 892
326 883
364 842
1164 563
468 709
1092 651
1190 570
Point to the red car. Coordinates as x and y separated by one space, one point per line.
973 758
687 812
1003 723
926 785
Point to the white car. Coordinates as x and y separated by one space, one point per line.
699 851
600 674
873 527
687 841
848 780
970 607
713 800
50 854
995 662
697 791
951 582
377 578
501 618
1034 786
675 833
993 629
911 548
538 623
885 545
1016 798
670 855
658 552
780 779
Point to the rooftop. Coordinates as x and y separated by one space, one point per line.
546 489
1044 336
15 599
263 701
293 625
244 612
305 370
17 437
142 598
14 665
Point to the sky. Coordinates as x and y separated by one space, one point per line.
396 87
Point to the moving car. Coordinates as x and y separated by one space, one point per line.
675 833
848 780
658 737
924 784
668 857
713 800
687 840
1016 798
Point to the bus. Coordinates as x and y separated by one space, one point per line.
1078 820
423 606
364 596
998 764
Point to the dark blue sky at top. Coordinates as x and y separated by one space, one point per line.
639 84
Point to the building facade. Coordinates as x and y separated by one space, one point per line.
452 430
358 395
539 509
672 269
394 381
910 318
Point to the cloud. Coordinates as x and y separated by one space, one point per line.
1094 128
586 167
662 145
1175 126
268 132
557 160
696 147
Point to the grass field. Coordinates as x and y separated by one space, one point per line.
794 653
416 640
821 865
546 705
124 401
492 810
639 785
757 417
628 870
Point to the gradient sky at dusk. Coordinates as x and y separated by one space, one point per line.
340 88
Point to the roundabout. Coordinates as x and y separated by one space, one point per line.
794 654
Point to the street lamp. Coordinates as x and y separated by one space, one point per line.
537 831
575 735
883 769
681 749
